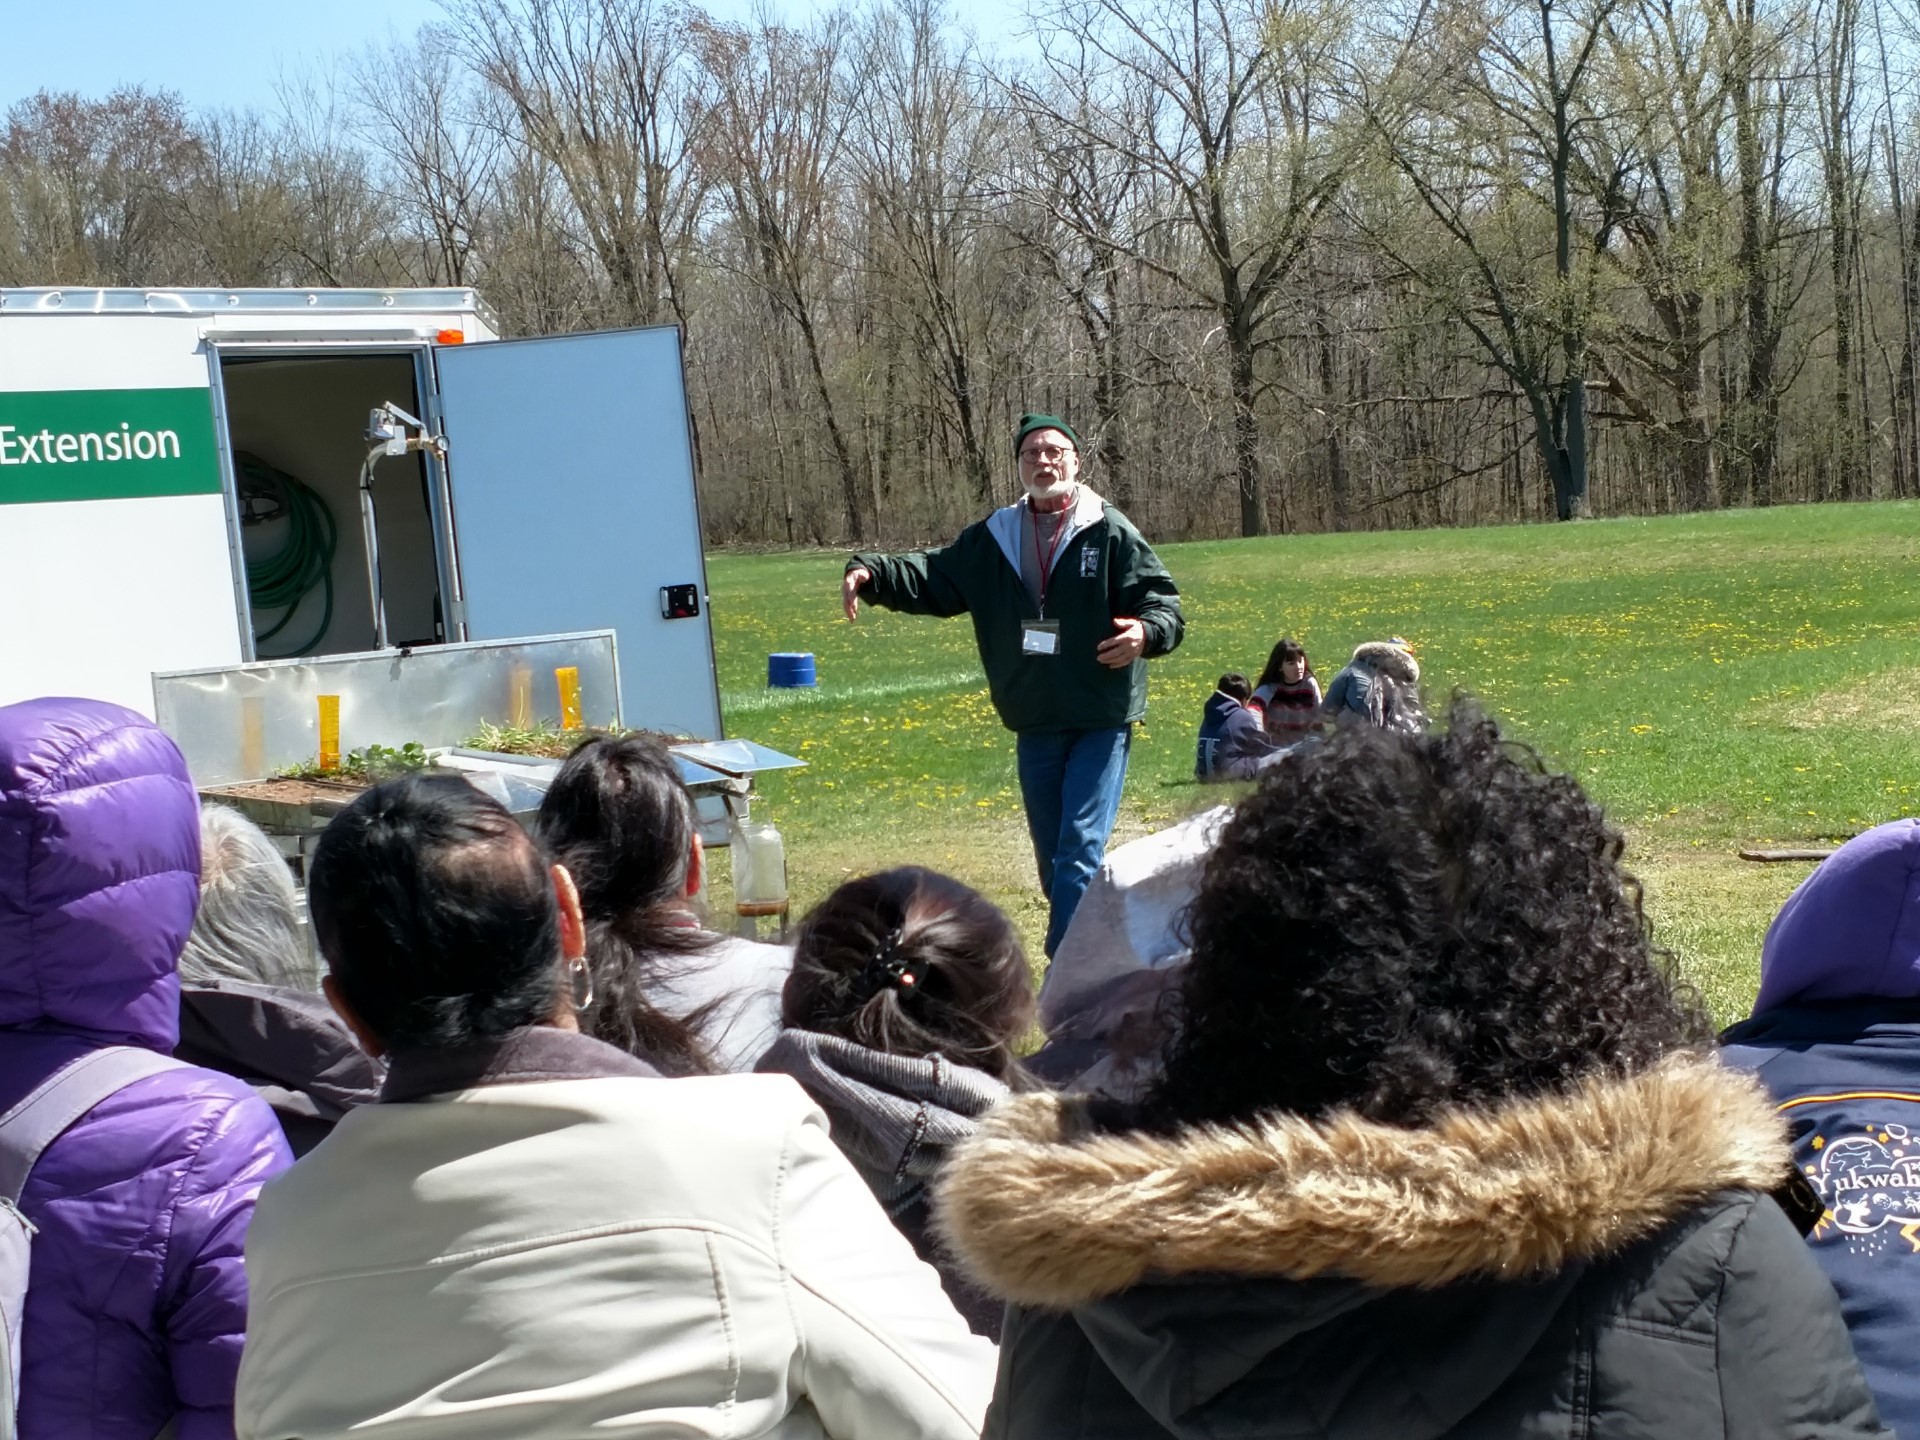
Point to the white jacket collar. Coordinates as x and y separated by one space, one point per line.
1006 522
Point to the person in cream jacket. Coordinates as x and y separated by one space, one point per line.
535 1234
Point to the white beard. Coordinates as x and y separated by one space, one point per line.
1058 490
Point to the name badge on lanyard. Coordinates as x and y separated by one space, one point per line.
1039 637
1042 637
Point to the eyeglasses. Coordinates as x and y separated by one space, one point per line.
1046 452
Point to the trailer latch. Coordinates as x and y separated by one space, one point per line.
679 602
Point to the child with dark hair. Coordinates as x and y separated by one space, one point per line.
1232 743
1286 694
909 992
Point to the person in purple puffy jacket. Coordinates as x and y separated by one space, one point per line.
137 1303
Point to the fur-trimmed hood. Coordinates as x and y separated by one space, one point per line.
1389 659
1046 1209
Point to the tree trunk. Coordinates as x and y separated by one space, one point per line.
1570 494
1114 476
1837 481
976 457
842 453
1246 438
1570 408
1759 405
1698 470
1339 486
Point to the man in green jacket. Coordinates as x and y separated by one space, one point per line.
1067 602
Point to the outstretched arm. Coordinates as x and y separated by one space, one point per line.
919 582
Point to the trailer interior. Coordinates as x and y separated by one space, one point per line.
297 424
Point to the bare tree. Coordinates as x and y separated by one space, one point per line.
602 90
235 220
1234 108
1835 84
538 270
343 226
1759 92
1081 206
1668 96
1504 162
418 108
922 146
91 181
776 131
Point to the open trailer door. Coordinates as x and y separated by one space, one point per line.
570 463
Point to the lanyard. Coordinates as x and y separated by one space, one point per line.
1046 562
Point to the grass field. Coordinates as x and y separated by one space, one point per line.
1714 680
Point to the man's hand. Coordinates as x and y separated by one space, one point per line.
1125 645
850 590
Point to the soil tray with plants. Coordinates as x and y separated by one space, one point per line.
286 804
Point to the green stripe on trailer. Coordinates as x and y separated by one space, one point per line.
106 444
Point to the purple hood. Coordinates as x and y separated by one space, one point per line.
99 872
1852 929
137 1299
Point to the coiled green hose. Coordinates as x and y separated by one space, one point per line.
284 577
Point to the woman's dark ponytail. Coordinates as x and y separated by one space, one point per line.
620 819
911 962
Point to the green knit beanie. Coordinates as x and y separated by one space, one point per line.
1030 423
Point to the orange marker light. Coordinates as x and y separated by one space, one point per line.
450 337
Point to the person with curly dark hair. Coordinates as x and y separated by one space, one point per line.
909 994
1440 1150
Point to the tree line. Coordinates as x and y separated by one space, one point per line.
1287 264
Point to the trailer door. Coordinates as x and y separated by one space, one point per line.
570 462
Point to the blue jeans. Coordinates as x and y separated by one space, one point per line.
1070 781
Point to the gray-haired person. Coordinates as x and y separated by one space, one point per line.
250 1003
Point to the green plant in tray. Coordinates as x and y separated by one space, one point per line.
368 765
546 741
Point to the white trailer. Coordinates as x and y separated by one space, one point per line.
172 464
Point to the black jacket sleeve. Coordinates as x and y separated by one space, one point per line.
1787 1368
1142 588
918 582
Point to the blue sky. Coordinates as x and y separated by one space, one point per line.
216 53
230 53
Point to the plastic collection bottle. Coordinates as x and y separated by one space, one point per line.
759 872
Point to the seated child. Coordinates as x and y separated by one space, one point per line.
1232 742
1287 695
1379 686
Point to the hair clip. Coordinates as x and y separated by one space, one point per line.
888 967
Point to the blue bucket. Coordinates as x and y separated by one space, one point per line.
790 670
